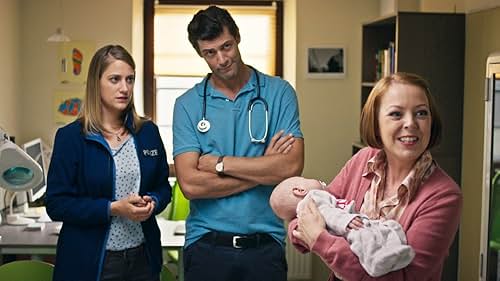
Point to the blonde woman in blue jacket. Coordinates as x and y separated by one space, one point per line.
107 180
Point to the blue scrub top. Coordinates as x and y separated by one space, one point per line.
249 211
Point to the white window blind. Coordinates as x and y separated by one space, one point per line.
175 56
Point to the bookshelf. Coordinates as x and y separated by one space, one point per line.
431 45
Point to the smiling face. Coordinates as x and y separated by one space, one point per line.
222 55
404 122
116 87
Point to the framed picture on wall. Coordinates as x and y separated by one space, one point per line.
326 62
74 60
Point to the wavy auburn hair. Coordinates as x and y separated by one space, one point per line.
368 127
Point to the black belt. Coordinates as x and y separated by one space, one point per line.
127 252
237 240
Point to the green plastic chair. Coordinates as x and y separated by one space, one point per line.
177 210
166 274
180 205
24 270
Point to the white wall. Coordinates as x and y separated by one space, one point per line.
459 6
478 5
10 70
330 108
388 7
443 6
103 21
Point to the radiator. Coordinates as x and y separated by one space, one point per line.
299 265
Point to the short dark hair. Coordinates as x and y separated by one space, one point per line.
369 129
209 23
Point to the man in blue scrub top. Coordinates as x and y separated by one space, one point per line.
227 164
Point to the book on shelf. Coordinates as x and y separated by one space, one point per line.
385 61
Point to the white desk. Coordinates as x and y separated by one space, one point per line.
16 240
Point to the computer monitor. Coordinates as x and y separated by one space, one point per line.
34 149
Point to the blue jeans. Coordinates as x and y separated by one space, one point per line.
127 265
209 261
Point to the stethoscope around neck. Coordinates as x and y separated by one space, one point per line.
204 125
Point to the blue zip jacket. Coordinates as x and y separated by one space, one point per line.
80 189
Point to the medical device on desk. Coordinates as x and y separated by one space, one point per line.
204 125
35 149
18 172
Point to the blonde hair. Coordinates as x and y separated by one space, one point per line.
90 115
368 126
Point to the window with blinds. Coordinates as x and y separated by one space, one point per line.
174 55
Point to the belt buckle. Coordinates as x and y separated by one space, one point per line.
235 241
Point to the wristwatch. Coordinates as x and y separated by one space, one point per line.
219 167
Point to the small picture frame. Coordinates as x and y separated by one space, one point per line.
326 62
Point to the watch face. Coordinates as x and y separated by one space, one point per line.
219 167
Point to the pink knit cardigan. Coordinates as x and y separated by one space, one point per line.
430 222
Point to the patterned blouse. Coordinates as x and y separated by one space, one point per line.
124 233
377 207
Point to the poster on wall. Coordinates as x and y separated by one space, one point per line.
74 60
67 105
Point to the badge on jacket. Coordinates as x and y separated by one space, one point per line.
152 152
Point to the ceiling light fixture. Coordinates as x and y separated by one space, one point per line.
59 35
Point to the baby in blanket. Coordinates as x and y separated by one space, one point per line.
380 245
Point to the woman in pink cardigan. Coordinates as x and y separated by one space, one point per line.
395 178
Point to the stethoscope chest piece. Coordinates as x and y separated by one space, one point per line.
203 126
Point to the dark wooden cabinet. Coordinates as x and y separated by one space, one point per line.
431 45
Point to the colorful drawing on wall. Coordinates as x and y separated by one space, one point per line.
74 58
67 106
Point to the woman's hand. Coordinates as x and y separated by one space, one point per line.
133 207
310 224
